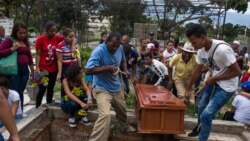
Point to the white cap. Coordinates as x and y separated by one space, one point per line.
188 47
150 46
236 42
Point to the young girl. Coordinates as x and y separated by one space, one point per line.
75 98
66 54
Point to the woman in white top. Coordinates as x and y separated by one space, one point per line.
169 52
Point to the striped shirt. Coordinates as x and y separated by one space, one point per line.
65 49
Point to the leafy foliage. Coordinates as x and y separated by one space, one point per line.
85 53
122 13
230 32
238 5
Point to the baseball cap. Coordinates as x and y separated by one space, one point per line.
151 33
246 85
151 46
236 42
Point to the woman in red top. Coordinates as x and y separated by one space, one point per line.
46 60
18 41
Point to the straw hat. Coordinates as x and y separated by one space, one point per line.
188 47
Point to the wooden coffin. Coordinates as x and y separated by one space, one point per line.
158 110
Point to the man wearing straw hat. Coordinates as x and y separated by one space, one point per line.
184 64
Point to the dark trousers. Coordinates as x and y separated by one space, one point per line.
229 116
70 107
126 85
18 82
50 89
64 71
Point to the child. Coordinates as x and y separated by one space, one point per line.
13 99
74 98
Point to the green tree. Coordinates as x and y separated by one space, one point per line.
207 22
231 32
122 14
238 5
5 8
174 13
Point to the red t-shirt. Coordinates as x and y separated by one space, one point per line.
245 77
48 46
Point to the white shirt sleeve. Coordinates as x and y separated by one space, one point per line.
198 57
226 55
235 101
246 55
162 68
13 96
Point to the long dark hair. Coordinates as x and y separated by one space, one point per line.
101 40
72 73
4 82
16 28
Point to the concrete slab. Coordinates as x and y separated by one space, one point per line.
26 98
245 135
213 137
32 114
219 126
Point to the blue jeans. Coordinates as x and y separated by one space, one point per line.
18 82
203 99
1 137
70 107
218 100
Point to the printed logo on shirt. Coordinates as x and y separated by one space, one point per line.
51 53
211 63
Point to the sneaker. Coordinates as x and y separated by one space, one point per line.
72 122
130 129
85 121
195 132
24 115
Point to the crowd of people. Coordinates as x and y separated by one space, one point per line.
114 66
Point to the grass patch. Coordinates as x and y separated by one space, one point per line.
130 101
191 110
192 113
57 87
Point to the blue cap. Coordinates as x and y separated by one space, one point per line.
246 85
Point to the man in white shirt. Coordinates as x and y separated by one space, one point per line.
240 106
158 68
220 59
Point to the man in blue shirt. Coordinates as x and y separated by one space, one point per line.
104 64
